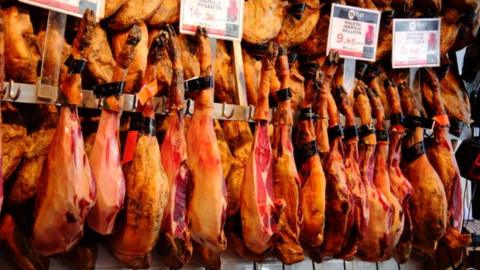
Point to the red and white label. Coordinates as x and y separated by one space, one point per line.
353 32
416 43
223 19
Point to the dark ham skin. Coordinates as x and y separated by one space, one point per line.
441 156
208 204
175 243
2 78
428 204
359 215
105 155
400 185
66 193
258 211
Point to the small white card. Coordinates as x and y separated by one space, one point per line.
223 19
416 43
353 32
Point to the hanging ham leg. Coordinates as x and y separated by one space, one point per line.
207 208
2 78
339 201
257 209
401 187
66 189
285 177
428 204
381 176
310 170
360 213
146 183
105 155
375 241
175 236
441 156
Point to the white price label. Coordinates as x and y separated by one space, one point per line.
416 43
71 7
223 19
353 32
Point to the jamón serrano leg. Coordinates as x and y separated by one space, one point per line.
175 243
105 156
400 185
146 183
441 156
428 204
381 177
207 207
360 212
257 208
310 171
285 176
375 241
66 191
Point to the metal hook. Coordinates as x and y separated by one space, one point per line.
135 103
188 108
10 88
224 113
313 265
165 110
250 112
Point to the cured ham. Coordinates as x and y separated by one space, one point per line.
375 240
105 154
285 176
310 171
428 204
208 204
339 200
257 208
441 156
359 216
145 180
66 193
400 185
262 20
175 240
381 175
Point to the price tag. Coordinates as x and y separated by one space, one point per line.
416 43
353 32
71 7
223 19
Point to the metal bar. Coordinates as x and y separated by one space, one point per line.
27 94
239 74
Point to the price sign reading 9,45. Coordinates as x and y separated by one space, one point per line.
223 19
353 32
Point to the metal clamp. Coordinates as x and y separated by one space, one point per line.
250 112
189 107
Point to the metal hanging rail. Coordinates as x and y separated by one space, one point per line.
27 93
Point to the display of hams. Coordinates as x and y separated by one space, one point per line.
316 185
146 181
66 193
105 155
208 204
